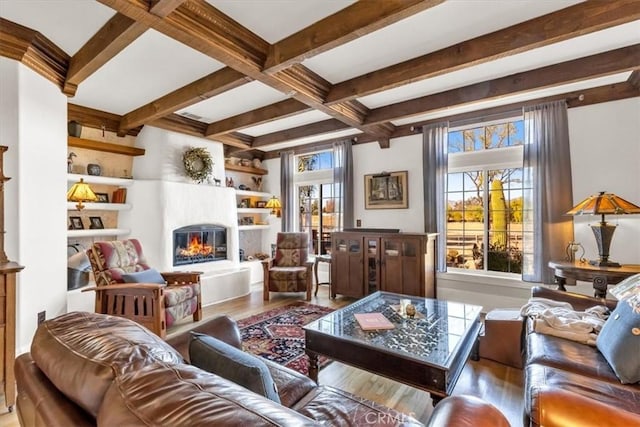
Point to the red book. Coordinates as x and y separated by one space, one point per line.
373 321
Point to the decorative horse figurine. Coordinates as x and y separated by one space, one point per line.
70 162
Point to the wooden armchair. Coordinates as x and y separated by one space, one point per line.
155 305
290 271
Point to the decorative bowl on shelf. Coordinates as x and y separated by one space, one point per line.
94 169
245 162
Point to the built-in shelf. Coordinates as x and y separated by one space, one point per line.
247 169
252 193
254 210
95 179
71 206
253 227
98 232
104 146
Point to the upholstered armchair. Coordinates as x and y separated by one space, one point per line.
290 270
127 287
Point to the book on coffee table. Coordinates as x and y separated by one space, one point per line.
373 321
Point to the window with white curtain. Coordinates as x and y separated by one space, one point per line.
484 197
317 199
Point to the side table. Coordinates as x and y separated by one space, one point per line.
322 258
601 277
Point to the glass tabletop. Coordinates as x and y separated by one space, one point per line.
432 336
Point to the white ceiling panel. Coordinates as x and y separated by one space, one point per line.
276 19
67 23
309 139
585 84
433 29
590 44
239 100
150 67
287 123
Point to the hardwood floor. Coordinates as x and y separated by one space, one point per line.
496 383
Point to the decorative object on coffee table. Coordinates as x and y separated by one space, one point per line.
277 334
604 204
198 164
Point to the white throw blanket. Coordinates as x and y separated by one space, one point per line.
561 320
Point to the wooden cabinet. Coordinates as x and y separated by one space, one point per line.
363 263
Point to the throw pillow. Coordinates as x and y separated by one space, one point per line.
628 290
619 341
146 276
242 368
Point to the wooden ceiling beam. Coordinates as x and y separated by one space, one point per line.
235 139
163 8
33 50
118 33
615 61
318 128
357 20
214 84
176 123
574 21
634 79
269 113
97 119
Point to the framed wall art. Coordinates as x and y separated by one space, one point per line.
386 190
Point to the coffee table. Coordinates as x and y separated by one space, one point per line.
427 352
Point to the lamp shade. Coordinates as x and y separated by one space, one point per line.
273 203
604 204
81 192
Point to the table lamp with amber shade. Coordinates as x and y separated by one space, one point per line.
274 204
81 192
604 204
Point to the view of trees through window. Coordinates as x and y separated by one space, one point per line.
317 201
485 202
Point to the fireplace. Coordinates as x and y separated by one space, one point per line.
199 243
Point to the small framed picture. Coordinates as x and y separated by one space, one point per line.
247 220
75 223
96 222
261 204
102 197
245 203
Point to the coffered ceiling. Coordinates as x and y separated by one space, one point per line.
271 74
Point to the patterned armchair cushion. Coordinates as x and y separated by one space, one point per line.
110 260
292 249
288 279
180 309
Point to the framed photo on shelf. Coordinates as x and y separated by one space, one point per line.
386 190
95 223
102 197
247 220
261 204
75 223
245 203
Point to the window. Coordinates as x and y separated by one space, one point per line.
484 197
318 203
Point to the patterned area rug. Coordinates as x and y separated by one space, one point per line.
277 334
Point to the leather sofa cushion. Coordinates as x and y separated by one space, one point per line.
336 408
81 353
242 368
625 397
167 395
568 355
292 385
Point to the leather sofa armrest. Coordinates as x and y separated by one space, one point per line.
578 301
558 407
466 411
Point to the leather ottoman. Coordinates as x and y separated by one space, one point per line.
502 339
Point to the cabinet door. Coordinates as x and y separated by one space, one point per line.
402 266
372 264
347 266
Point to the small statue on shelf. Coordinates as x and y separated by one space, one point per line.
257 180
229 182
70 162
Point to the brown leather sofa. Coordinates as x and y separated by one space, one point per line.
91 369
568 383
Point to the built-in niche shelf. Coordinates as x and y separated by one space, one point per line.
104 146
98 232
71 206
253 227
97 179
246 193
246 169
254 210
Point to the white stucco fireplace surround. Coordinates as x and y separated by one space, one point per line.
163 199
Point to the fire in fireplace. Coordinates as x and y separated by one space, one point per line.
199 243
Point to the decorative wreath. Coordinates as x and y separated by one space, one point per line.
198 164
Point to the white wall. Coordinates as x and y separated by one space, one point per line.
404 154
33 115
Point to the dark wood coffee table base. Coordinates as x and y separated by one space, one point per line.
438 382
